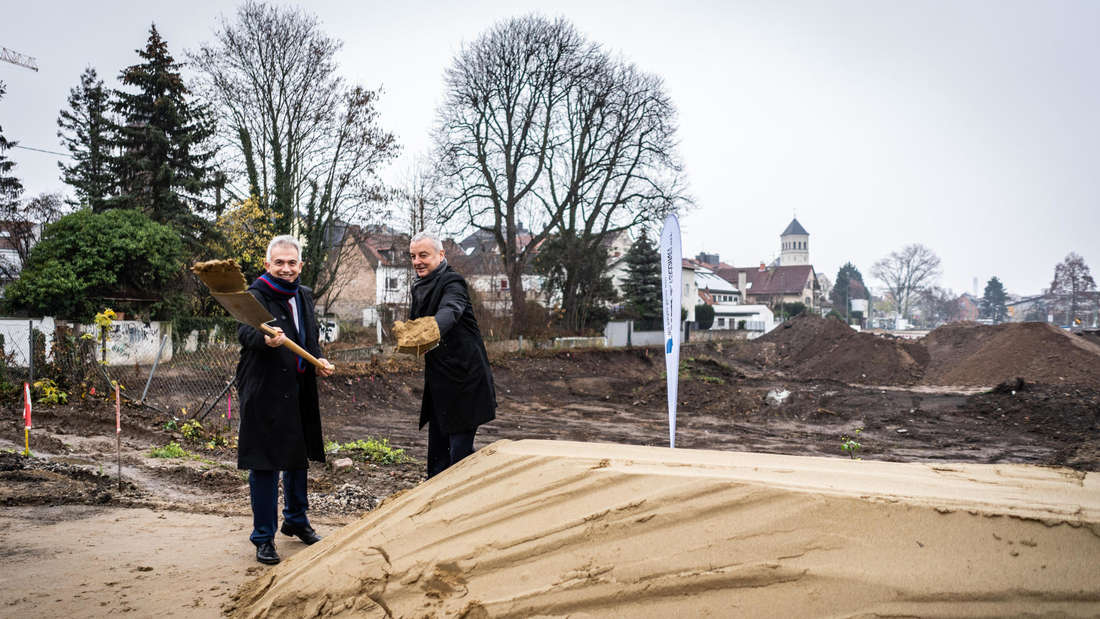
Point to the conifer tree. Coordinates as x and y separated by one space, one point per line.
85 130
642 287
993 301
10 186
849 285
162 164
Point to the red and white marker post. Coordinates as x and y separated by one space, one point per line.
118 434
26 419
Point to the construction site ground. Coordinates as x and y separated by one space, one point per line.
173 537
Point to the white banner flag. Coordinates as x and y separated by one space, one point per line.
671 274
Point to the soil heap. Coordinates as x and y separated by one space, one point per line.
545 528
813 347
967 353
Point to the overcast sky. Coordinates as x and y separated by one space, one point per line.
971 127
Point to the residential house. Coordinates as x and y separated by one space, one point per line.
773 285
375 276
789 279
711 288
969 306
618 244
477 258
730 316
690 294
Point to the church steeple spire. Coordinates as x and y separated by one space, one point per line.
794 245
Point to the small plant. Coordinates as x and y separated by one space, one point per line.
50 392
103 320
192 430
373 450
171 425
849 444
171 450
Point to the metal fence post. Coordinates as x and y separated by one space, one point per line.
30 350
152 371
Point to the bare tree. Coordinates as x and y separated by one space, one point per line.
495 133
939 305
1072 278
21 225
418 196
543 127
907 273
612 167
306 145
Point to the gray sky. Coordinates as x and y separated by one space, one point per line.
971 127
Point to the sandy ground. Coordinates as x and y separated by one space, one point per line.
87 561
540 528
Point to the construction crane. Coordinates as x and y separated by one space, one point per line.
18 59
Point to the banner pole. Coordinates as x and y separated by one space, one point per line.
671 276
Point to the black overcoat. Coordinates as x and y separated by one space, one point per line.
458 384
280 422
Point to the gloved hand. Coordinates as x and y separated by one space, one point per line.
417 336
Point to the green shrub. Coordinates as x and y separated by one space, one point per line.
171 450
373 450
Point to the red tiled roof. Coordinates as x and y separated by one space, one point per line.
771 281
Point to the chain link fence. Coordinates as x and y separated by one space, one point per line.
183 374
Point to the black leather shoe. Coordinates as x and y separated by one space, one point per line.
265 553
306 533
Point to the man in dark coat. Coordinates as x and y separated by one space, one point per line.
280 416
458 385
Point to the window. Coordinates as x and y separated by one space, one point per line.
722 322
504 284
391 283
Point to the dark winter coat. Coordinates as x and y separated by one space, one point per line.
458 384
280 422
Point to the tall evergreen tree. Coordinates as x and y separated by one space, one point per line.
85 130
642 287
163 164
993 301
849 285
10 186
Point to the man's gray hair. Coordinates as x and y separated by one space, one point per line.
284 239
433 237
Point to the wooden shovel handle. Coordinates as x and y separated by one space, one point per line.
298 350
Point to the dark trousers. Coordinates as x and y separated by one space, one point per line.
446 449
263 489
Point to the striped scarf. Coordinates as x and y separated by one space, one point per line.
288 292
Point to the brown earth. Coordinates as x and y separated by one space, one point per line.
973 354
797 391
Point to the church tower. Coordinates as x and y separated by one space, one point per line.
795 245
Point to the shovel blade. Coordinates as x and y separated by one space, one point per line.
244 307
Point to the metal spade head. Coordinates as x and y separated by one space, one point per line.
227 284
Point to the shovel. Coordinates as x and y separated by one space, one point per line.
226 283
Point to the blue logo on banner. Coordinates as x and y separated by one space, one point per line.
668 346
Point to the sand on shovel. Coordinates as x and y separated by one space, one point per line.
544 528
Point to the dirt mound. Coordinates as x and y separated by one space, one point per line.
813 347
553 529
966 353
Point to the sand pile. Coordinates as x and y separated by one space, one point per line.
813 347
966 353
539 528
